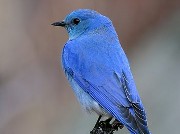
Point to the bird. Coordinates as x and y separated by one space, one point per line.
98 70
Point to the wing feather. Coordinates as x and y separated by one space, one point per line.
110 104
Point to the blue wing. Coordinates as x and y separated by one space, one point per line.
103 72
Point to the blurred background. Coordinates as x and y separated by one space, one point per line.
35 97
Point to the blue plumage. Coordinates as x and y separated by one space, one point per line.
98 70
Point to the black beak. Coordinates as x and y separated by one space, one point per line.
61 23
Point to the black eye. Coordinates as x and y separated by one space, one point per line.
76 21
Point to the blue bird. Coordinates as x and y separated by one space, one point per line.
98 70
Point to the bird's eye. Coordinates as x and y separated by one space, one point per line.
76 21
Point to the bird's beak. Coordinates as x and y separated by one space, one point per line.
60 23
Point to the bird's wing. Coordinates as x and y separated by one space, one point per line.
131 115
111 86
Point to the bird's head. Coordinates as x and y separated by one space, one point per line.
81 21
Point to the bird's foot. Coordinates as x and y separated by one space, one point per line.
116 124
96 129
104 127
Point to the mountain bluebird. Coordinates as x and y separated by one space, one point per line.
98 70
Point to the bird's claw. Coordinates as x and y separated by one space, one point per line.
116 124
104 127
